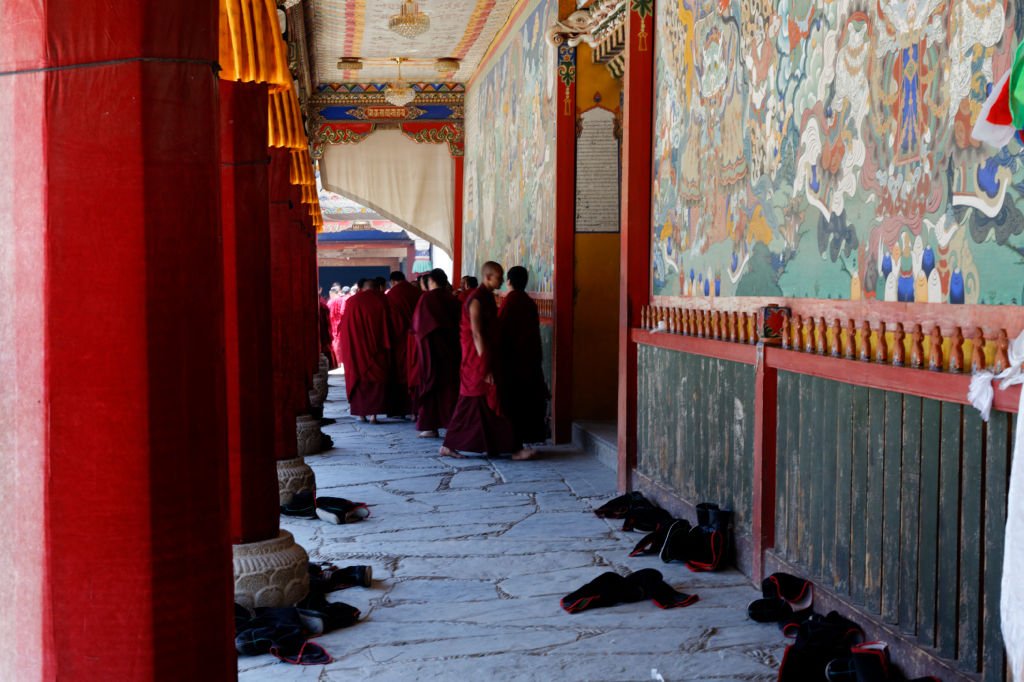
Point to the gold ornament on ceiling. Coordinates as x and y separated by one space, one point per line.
410 21
399 93
447 66
349 64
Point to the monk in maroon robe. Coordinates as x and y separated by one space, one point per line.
476 424
466 286
402 299
524 391
336 308
436 330
326 333
365 350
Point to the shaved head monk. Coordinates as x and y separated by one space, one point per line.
477 425
466 285
436 330
402 299
365 350
523 389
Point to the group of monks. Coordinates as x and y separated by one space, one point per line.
454 360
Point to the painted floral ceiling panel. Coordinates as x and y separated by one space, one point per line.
461 29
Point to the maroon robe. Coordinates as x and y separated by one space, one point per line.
435 327
326 335
524 391
336 308
364 352
402 298
476 425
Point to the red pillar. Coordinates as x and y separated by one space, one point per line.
565 236
634 265
282 305
117 559
457 214
245 218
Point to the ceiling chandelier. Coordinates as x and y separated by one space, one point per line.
399 93
410 21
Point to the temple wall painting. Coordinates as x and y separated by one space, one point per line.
823 150
510 151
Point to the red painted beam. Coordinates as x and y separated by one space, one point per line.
635 244
920 382
565 244
714 348
457 219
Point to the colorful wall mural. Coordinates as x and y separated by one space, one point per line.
510 151
822 149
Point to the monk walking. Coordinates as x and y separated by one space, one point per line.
402 299
435 327
476 424
365 349
523 389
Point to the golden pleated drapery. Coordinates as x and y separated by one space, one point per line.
251 47
253 51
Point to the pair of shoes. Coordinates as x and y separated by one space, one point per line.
325 578
281 632
636 511
786 600
702 547
868 662
611 588
818 641
339 510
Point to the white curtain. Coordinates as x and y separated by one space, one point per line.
409 183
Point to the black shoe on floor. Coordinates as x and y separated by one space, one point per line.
301 506
339 510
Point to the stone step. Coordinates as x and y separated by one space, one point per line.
599 439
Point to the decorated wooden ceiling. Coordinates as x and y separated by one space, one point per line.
460 29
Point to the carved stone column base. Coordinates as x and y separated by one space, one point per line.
320 387
270 573
294 476
310 437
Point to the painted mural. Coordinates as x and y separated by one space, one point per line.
510 152
822 149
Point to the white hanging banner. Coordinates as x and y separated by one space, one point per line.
410 183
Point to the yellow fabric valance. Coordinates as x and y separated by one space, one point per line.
285 122
251 47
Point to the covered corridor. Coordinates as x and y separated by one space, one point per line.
471 557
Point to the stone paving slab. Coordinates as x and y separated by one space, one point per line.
470 558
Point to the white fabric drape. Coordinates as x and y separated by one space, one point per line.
409 183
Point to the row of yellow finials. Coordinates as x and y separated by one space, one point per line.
816 336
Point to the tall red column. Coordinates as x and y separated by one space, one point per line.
245 220
117 559
565 244
457 215
635 263
283 329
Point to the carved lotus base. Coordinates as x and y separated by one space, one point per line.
308 435
293 476
270 573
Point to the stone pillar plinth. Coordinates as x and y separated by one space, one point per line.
308 436
270 572
294 476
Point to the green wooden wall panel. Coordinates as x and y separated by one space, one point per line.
971 556
692 414
910 513
859 500
949 521
828 448
996 479
927 565
891 498
875 501
844 450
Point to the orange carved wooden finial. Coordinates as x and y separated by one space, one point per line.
899 351
956 351
882 346
978 350
917 347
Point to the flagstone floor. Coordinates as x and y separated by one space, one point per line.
470 558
